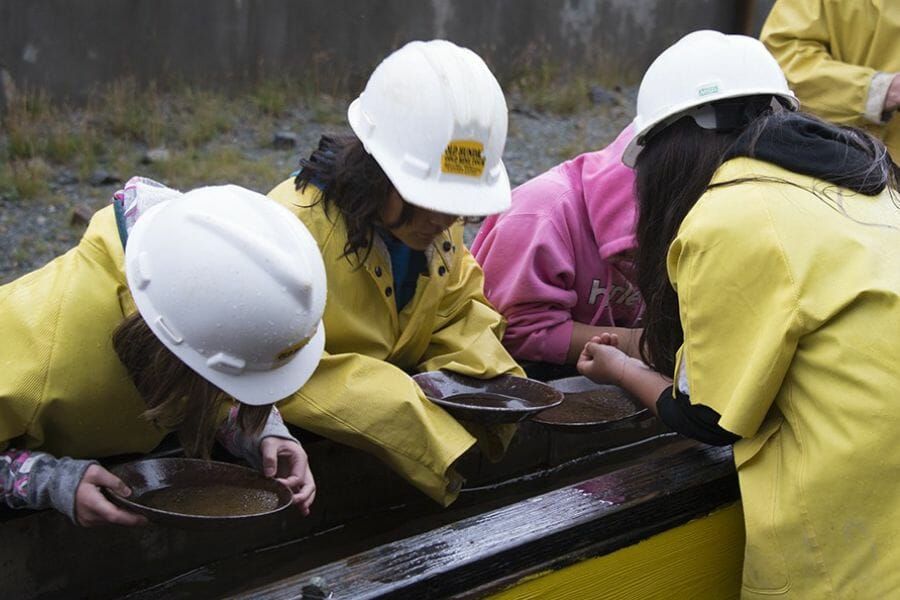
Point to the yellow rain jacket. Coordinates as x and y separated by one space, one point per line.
63 389
830 50
361 393
790 304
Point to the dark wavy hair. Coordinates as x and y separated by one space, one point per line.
351 181
672 172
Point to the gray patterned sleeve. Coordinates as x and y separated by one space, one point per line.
247 447
37 480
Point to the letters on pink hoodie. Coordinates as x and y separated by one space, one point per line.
563 253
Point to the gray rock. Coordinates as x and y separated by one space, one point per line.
598 94
284 140
156 155
103 177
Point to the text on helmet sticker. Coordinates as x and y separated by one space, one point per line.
463 157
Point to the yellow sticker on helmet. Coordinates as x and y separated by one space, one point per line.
294 348
463 157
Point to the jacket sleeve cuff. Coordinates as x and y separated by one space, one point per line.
275 427
37 480
248 447
878 90
68 475
692 420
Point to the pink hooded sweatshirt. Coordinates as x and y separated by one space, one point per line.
563 253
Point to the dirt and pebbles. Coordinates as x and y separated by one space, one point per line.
34 231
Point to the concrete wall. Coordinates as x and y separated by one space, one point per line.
67 46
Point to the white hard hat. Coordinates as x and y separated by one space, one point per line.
434 118
234 285
700 68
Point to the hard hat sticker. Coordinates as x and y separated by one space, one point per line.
463 157
294 348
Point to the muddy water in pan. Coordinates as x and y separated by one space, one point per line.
595 405
210 500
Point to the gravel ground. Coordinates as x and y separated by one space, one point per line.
32 232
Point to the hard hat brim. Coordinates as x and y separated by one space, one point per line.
454 195
266 387
630 154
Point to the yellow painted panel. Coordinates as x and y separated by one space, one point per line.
700 560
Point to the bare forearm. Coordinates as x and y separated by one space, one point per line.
642 382
629 339
892 100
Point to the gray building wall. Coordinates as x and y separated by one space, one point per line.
67 46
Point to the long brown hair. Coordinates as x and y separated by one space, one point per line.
176 396
671 173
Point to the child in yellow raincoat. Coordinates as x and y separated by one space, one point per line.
768 243
170 305
405 295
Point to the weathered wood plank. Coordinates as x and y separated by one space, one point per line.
559 528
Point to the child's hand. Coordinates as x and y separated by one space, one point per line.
606 339
601 361
92 508
286 461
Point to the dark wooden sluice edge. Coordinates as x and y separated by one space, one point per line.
482 553
623 485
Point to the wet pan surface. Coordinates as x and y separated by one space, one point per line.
210 500
589 405
503 399
194 493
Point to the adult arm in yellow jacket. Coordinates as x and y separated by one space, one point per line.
361 393
841 59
